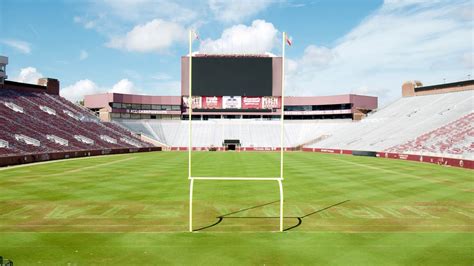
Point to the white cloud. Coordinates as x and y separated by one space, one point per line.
87 23
124 86
403 40
28 75
317 57
259 37
237 10
468 59
21 46
83 55
158 24
76 91
155 36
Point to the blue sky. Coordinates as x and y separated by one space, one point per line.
340 46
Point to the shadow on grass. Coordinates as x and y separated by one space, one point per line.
299 218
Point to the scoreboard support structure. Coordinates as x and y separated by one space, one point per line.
190 147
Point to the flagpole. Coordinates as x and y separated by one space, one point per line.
282 103
282 129
190 102
190 145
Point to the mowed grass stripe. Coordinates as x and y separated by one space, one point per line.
105 211
244 249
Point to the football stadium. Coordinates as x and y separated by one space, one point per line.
235 171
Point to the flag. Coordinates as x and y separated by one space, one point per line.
288 40
195 35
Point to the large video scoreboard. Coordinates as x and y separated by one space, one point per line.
230 83
232 76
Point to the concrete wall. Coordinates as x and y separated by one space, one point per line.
416 88
146 99
98 100
103 100
31 158
276 75
317 100
364 102
453 162
52 85
440 91
48 87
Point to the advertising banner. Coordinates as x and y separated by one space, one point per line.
251 102
269 102
231 102
211 102
153 112
196 100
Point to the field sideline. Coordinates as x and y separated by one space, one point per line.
133 209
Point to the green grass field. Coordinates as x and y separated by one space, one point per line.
339 210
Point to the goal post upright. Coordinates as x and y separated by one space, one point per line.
282 115
282 126
190 102
190 128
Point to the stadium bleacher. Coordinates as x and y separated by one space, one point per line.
33 122
402 121
399 127
455 138
251 133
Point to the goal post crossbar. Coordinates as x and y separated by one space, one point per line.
236 178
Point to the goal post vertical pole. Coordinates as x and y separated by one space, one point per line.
282 115
191 187
190 144
280 185
282 128
190 101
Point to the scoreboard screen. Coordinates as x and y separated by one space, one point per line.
232 76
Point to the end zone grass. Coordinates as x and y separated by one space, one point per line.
339 210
